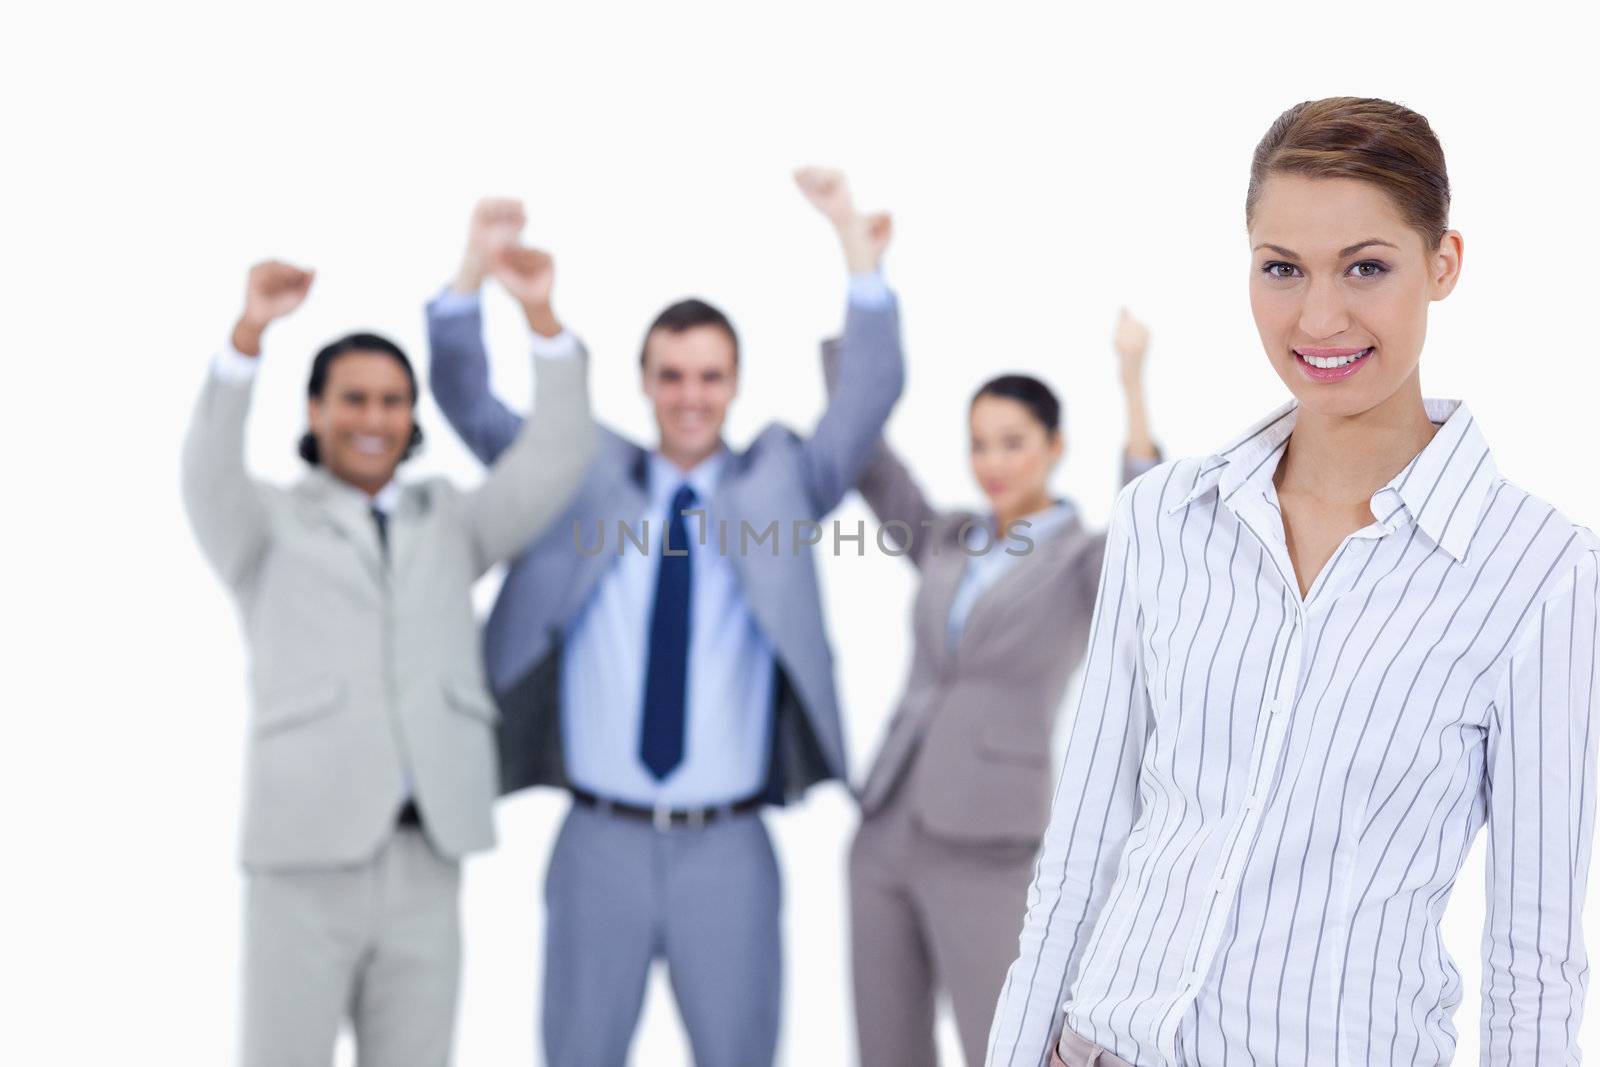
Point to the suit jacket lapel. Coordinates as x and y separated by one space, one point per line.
344 508
941 578
727 505
405 524
993 601
724 507
621 499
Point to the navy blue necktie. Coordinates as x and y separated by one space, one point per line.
667 674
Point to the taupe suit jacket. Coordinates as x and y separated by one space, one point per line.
971 737
366 674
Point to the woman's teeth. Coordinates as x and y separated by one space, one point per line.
1333 362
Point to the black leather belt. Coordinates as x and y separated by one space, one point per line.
664 818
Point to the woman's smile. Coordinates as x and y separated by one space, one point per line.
1331 364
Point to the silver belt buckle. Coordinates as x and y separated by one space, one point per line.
662 818
697 818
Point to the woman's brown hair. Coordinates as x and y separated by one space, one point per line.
1370 140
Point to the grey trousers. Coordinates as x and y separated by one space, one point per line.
929 915
619 894
378 942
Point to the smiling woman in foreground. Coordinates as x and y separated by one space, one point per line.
1322 657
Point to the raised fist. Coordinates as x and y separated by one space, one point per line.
864 236
527 273
273 290
1131 339
875 231
496 222
828 192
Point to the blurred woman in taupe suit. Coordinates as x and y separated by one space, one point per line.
958 798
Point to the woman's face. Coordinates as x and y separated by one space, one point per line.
1012 454
1340 285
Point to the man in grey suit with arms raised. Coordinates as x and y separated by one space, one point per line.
371 762
674 689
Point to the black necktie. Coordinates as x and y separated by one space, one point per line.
382 522
667 675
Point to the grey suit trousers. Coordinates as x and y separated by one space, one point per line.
929 914
378 941
618 894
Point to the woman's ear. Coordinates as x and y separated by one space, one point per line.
1446 264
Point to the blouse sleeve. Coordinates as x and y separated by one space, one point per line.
1539 784
1095 807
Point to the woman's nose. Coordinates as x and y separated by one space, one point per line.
1323 315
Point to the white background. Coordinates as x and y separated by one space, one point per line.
1044 165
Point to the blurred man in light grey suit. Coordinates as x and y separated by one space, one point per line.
371 763
677 683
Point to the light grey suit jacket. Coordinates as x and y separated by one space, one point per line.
366 677
783 477
971 736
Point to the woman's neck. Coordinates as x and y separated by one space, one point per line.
1344 459
1003 520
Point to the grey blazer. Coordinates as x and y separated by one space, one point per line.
782 478
971 736
366 678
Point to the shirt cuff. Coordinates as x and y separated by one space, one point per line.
870 290
454 302
233 366
562 346
1138 465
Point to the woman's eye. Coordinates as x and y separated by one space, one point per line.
1278 269
1367 269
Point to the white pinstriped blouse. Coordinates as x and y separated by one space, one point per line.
1264 801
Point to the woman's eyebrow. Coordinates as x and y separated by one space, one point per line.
1349 251
1353 249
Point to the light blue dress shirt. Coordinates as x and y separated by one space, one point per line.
729 703
731 669
984 568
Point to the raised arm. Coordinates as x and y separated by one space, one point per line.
1132 343
871 365
458 366
223 502
534 478
1096 804
885 483
1539 768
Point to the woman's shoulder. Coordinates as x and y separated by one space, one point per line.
1516 521
1163 487
1532 564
